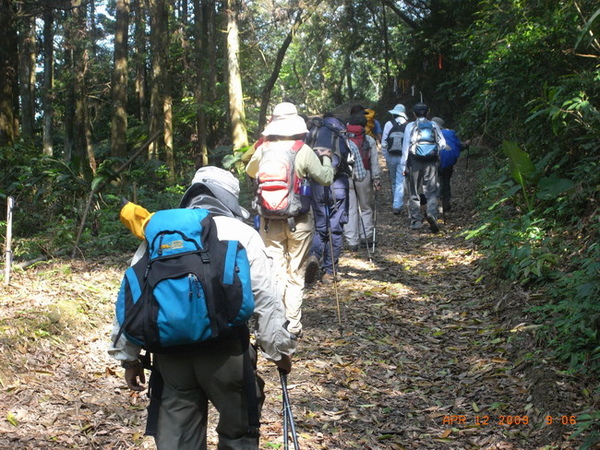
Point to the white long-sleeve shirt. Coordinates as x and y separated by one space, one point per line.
271 335
407 143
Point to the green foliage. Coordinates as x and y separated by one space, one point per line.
44 188
546 240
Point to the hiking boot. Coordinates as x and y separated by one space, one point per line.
416 225
312 270
433 226
396 211
327 278
353 248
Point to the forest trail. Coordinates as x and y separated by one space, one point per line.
428 355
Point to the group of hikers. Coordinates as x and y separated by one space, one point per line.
188 306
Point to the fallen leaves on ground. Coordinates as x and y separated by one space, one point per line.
409 351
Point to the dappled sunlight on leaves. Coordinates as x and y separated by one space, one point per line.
419 358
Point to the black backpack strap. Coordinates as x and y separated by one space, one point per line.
155 391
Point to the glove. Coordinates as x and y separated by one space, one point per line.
284 364
321 152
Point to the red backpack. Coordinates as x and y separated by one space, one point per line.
278 190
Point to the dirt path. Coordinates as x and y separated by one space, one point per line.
426 356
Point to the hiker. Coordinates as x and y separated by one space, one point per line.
448 159
330 203
373 127
360 214
216 371
423 140
391 146
288 234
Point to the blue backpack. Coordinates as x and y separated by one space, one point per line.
189 288
330 133
424 143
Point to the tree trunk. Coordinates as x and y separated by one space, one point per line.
348 73
83 134
161 117
27 54
139 58
239 135
158 53
69 81
119 83
48 96
8 73
213 41
201 41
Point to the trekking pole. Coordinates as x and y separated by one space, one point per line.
374 222
286 444
333 268
288 418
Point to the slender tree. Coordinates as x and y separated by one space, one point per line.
138 8
47 96
27 60
201 42
83 132
8 74
119 83
239 134
160 98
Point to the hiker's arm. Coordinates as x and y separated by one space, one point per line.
441 139
359 172
122 350
128 355
308 164
406 146
252 167
271 335
374 160
386 131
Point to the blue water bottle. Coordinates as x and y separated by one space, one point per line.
257 222
305 195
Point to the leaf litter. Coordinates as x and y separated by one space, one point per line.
426 355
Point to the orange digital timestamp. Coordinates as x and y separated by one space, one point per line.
503 420
561 420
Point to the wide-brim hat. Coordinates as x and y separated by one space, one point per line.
223 186
285 121
399 110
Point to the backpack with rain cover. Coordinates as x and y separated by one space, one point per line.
278 187
188 289
330 133
424 140
395 138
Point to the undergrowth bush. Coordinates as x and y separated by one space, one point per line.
549 245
